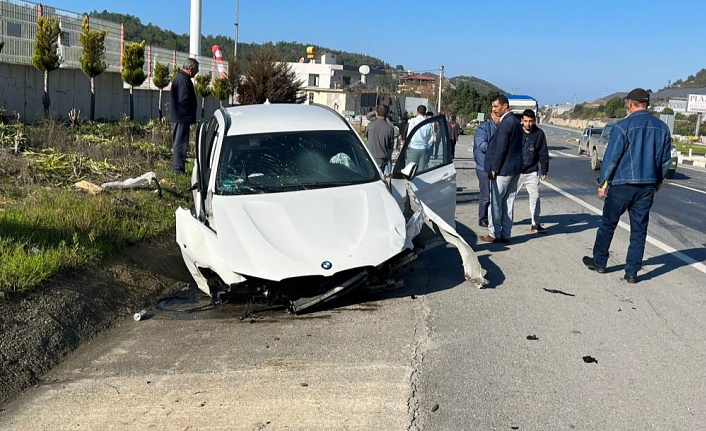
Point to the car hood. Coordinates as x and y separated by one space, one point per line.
314 232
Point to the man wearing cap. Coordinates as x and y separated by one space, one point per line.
635 163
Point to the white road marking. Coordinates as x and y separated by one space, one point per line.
551 153
686 187
657 243
691 168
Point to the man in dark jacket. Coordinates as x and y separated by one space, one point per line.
484 133
381 138
503 163
454 132
535 165
182 112
635 163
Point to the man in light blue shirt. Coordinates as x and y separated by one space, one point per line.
421 142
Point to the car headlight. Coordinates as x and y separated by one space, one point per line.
673 151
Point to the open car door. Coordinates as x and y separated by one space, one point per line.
428 145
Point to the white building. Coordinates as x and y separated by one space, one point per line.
326 81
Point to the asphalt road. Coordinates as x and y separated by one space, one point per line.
438 354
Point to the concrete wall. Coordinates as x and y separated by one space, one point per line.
22 87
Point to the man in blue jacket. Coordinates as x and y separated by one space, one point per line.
484 132
182 112
503 163
635 163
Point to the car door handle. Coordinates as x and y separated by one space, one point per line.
447 175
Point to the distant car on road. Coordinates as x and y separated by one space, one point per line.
598 144
585 139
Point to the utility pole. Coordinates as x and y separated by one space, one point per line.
237 18
441 79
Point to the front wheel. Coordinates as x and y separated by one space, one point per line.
581 151
670 173
595 163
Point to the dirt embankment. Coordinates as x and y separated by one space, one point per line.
39 329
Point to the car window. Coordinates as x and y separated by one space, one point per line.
427 146
280 162
606 131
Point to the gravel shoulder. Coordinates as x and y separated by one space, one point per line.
38 330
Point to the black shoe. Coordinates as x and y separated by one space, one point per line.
631 279
538 228
590 264
483 223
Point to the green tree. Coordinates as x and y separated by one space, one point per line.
201 87
234 74
46 57
92 58
161 80
615 108
133 73
221 89
668 111
269 79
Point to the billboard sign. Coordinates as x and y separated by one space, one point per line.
696 103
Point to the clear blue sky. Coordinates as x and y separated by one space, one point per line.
556 50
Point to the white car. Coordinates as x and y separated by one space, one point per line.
290 207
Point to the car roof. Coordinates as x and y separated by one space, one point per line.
282 117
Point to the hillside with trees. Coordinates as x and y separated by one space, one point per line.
136 31
692 81
482 86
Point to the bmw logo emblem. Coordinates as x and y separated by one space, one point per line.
326 265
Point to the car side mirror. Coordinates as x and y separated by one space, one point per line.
410 171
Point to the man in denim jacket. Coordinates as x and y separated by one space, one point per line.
635 163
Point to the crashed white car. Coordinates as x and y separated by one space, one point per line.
290 207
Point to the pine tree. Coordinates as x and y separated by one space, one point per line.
269 79
201 87
161 80
46 57
133 74
92 58
221 89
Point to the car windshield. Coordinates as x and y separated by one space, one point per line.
280 162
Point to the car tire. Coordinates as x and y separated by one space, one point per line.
671 173
595 163
581 151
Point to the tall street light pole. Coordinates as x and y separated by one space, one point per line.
237 18
441 79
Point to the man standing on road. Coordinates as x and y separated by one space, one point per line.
182 112
535 158
483 134
418 150
454 133
381 138
635 163
503 163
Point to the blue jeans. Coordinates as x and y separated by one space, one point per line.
419 156
503 190
637 200
483 195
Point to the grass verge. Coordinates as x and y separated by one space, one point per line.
47 226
